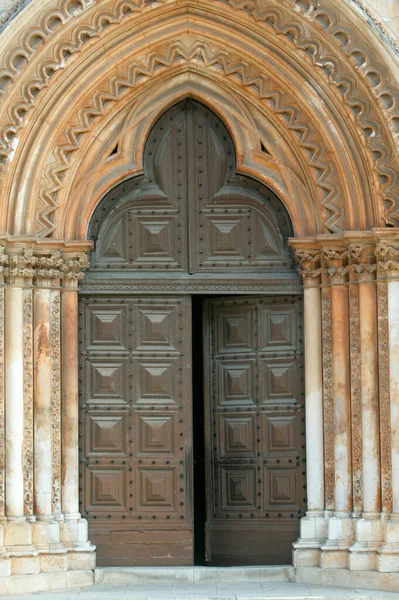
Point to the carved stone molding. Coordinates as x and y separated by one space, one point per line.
55 332
329 463
277 99
28 457
356 399
344 58
385 400
206 285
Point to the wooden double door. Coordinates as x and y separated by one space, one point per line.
192 428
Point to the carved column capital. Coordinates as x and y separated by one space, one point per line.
388 258
308 266
335 261
363 259
73 267
21 265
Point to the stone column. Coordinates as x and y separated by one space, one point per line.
313 524
42 399
47 403
19 402
31 520
74 529
340 525
388 255
365 413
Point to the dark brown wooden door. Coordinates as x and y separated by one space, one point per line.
136 429
255 429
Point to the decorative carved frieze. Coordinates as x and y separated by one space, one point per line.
28 445
55 333
328 401
385 400
356 399
2 399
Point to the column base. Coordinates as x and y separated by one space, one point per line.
369 536
36 549
313 531
388 553
75 532
340 536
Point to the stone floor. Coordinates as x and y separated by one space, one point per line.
205 591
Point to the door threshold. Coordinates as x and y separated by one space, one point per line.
163 575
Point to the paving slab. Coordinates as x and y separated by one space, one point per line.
252 590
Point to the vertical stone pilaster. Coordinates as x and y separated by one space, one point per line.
74 530
313 524
384 394
340 528
55 329
388 264
42 400
19 435
368 529
356 401
28 402
329 465
3 262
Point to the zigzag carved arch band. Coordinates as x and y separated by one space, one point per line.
313 32
267 90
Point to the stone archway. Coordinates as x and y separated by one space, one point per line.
80 88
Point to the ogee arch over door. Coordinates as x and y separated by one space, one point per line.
189 223
190 213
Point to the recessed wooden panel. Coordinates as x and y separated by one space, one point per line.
155 240
279 328
107 381
107 489
238 488
156 329
281 487
236 383
227 239
158 490
106 327
255 430
280 433
279 380
156 382
237 435
106 434
234 331
156 434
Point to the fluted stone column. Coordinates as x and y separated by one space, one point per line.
313 524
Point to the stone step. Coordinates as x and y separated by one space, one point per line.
165 575
254 590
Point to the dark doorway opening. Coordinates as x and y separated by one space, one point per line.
198 430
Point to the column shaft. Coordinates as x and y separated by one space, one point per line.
369 394
314 399
70 402
393 320
42 403
341 395
14 401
